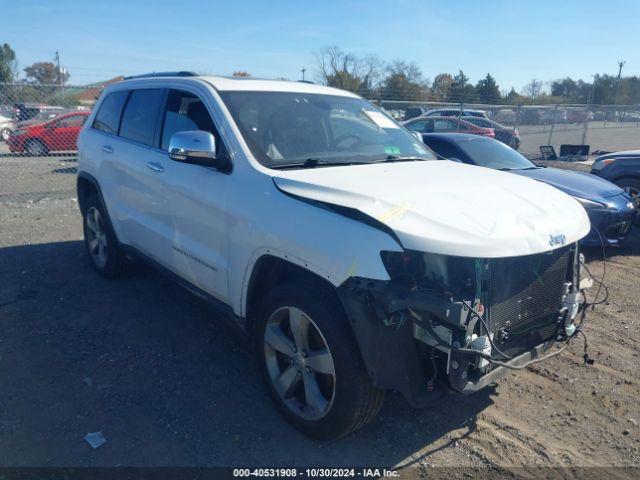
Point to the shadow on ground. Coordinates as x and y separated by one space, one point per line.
146 363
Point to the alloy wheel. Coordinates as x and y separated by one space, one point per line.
299 363
96 237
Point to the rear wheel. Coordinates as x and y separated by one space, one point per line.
101 243
35 147
311 363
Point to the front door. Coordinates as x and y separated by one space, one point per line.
196 199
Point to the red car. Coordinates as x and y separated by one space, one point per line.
59 134
447 124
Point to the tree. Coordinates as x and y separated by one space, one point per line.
403 82
346 71
46 73
487 90
514 97
7 63
533 89
461 90
441 85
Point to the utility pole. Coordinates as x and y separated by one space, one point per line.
621 64
59 73
303 72
593 90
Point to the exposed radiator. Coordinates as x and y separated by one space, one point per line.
525 296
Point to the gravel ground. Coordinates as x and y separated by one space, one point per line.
170 384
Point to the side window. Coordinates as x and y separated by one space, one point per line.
108 117
73 121
141 114
443 125
418 126
185 111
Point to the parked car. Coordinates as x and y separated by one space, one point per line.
530 116
507 135
353 259
610 209
413 112
505 115
455 112
23 111
6 127
446 124
59 134
621 168
579 116
550 116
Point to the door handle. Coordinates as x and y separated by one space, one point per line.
155 167
107 148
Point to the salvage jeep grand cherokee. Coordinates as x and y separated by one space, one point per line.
356 260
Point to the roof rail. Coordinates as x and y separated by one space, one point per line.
163 74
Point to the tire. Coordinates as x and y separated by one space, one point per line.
103 249
36 148
5 133
344 400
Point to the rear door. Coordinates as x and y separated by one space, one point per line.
141 202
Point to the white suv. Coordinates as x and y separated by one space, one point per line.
356 261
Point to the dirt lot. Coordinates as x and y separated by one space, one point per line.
168 384
611 138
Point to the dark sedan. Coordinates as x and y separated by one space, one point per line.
621 168
611 211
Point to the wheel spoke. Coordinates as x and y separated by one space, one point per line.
102 252
91 224
93 246
278 340
313 395
299 324
287 381
96 219
321 361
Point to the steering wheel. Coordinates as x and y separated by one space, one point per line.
356 141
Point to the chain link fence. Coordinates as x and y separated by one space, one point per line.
39 126
605 128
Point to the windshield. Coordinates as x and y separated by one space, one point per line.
494 154
285 129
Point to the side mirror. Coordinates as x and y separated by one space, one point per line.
196 147
455 159
418 135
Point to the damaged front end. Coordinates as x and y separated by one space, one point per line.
477 316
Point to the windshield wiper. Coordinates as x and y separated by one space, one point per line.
405 158
314 162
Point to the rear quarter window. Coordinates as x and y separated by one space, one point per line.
108 117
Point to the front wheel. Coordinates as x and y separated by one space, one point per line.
5 133
311 362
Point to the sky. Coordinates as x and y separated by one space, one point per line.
515 41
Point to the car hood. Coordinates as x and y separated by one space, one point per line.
624 153
447 207
576 184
